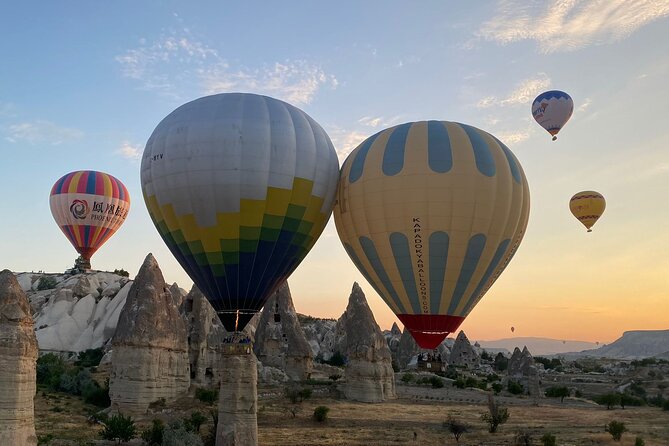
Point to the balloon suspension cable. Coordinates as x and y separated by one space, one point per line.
554 138
589 230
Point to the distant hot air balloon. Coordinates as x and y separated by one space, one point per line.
587 206
431 213
89 207
552 109
239 186
513 329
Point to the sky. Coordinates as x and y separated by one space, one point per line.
83 84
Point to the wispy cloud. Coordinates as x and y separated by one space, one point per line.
510 137
524 92
345 141
130 151
567 25
180 62
41 132
378 121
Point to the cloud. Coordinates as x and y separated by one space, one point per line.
41 132
345 141
524 92
378 121
512 137
567 25
180 63
129 151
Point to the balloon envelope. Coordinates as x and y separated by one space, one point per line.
552 109
431 213
89 207
239 186
587 206
513 329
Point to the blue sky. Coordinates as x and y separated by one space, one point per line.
83 85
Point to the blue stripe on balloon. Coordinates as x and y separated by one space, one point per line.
87 236
356 261
501 249
400 246
485 163
515 171
393 157
439 155
373 258
552 94
90 184
438 243
469 264
359 161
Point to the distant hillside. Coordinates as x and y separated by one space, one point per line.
538 346
635 344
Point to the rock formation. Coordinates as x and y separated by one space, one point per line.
462 352
523 369
320 334
369 372
150 349
18 353
279 339
205 339
406 349
238 401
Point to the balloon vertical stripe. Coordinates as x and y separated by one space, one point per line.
393 157
438 249
469 264
400 246
474 298
485 163
513 165
440 157
373 258
358 164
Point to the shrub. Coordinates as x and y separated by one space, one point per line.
501 362
486 356
523 438
557 392
496 415
90 357
297 394
616 429
514 387
153 436
46 283
122 272
407 378
194 422
497 387
321 413
176 434
629 400
548 440
608 399
638 441
44 439
119 428
456 427
665 405
492 377
206 395
337 360
459 383
96 395
436 382
49 369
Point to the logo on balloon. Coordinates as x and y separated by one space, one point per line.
79 209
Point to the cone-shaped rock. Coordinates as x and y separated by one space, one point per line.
462 353
280 340
369 372
523 369
18 353
407 349
150 348
205 339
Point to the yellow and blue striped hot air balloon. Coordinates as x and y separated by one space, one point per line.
431 213
239 186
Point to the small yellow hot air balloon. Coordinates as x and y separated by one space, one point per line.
587 206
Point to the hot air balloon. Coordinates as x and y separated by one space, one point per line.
431 213
513 329
552 109
239 186
89 207
587 206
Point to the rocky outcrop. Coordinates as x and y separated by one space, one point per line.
524 370
279 339
462 352
18 353
406 349
78 312
320 334
150 349
238 401
205 339
369 372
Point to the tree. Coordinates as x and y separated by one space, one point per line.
496 415
548 439
154 435
321 413
501 362
514 387
557 392
194 422
608 399
456 427
119 428
616 429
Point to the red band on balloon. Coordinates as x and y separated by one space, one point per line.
430 329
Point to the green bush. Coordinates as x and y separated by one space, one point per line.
194 422
616 429
629 400
90 357
495 416
523 438
557 392
514 387
610 400
119 428
46 283
548 440
436 382
321 413
176 434
337 360
49 369
497 387
206 395
407 378
153 436
638 441
96 395
665 405
44 439
501 362
121 272
456 427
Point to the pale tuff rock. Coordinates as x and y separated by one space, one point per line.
280 341
462 352
80 313
320 334
205 339
238 401
406 349
18 354
369 373
178 294
150 349
523 369
395 330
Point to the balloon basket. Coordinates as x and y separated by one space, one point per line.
237 343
